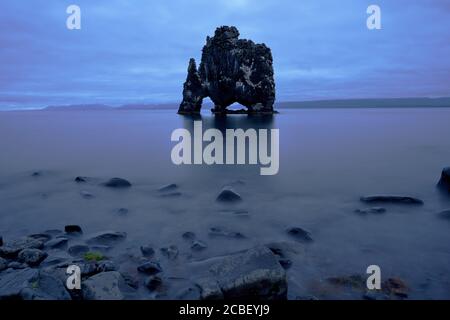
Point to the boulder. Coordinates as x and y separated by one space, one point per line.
106 265
3 264
117 183
72 228
32 257
299 234
198 245
17 265
150 267
45 286
188 235
153 283
285 263
57 243
228 195
104 286
106 238
80 179
90 268
170 252
122 211
252 274
43 237
11 249
395 287
12 282
231 70
147 251
168 187
395 199
444 182
60 259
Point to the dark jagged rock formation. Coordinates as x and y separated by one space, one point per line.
231 70
444 182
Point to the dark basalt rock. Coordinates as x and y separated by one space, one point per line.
231 70
391 199
251 274
122 211
147 251
44 237
57 243
150 268
32 257
3 264
444 182
198 245
11 249
45 286
13 282
73 229
36 174
285 263
299 234
106 237
17 265
189 235
153 283
228 195
168 187
105 286
117 183
170 252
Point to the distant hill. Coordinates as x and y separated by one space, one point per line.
148 106
78 107
317 104
92 107
369 103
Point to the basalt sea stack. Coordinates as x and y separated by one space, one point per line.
231 70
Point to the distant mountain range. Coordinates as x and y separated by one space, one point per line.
369 103
350 103
87 107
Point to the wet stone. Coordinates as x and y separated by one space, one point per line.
147 251
150 267
117 183
299 234
32 257
170 252
72 228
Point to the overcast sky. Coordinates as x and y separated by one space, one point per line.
137 51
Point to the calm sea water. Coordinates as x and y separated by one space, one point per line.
328 159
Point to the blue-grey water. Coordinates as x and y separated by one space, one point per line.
328 159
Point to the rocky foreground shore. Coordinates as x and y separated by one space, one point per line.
35 266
